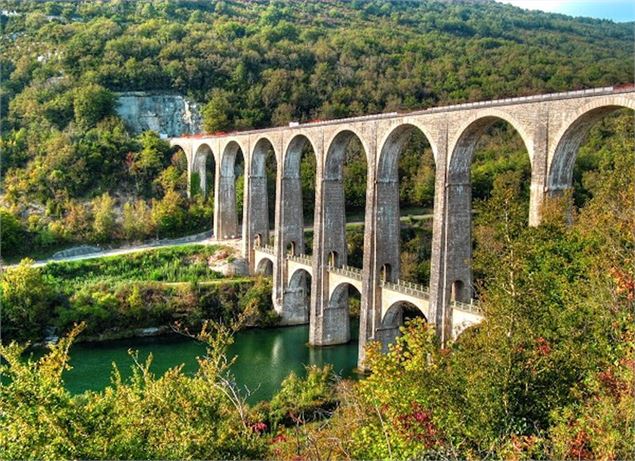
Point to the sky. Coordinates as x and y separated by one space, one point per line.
617 10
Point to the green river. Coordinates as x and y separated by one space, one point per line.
264 358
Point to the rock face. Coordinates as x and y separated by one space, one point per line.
168 114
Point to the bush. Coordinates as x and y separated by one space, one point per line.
26 297
12 234
301 399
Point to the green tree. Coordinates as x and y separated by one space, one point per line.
217 113
105 220
169 214
12 233
92 103
26 298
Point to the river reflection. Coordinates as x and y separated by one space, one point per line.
264 358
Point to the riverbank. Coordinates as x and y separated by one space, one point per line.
118 296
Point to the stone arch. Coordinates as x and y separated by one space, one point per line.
393 143
228 157
226 201
202 159
340 153
387 216
297 297
468 135
459 197
396 310
334 160
258 203
290 227
259 154
393 319
572 135
265 266
336 316
293 155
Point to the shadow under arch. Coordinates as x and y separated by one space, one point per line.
394 318
203 177
265 267
337 315
297 298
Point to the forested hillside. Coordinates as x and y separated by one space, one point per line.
252 64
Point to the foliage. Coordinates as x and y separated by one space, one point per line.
115 295
104 223
12 232
300 398
169 417
172 264
26 297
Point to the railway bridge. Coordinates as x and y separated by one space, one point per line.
314 288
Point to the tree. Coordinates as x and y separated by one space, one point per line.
217 113
12 234
169 214
137 220
105 223
92 103
26 297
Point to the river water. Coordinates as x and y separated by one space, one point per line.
264 357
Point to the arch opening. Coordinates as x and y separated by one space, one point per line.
489 174
262 193
344 198
394 317
231 193
585 147
265 267
298 297
406 178
203 173
298 194
342 314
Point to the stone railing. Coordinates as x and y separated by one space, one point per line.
266 249
302 259
347 271
467 307
406 288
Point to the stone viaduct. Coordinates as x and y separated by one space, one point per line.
314 288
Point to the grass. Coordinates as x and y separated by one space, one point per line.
185 264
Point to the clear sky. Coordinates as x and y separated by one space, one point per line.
617 10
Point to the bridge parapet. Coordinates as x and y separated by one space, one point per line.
407 288
471 307
347 271
266 249
302 259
